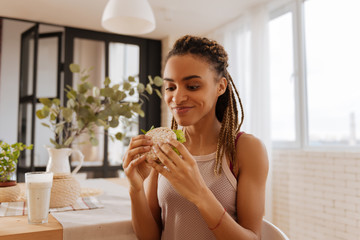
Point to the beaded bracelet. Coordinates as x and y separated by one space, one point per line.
218 224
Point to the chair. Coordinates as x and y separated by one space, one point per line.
270 232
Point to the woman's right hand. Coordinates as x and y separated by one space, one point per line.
135 167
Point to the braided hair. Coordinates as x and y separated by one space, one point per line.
226 108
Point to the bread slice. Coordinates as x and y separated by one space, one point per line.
159 135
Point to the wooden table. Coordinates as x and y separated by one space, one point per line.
17 227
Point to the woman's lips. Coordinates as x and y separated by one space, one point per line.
181 110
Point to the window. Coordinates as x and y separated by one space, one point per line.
282 78
332 59
314 50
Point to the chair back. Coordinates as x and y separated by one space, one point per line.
270 232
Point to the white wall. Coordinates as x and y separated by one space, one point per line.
316 195
9 79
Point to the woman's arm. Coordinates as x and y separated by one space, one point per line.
253 162
137 170
145 211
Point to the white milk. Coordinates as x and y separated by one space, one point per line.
38 191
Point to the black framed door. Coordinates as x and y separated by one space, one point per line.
39 52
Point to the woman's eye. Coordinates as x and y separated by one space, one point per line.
169 88
193 87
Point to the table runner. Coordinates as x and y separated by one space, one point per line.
113 221
20 209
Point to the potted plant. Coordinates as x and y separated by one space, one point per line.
88 107
9 155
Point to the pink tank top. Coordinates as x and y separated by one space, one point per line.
180 218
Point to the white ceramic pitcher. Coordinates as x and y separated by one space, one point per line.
59 160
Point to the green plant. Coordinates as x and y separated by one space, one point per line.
90 107
9 155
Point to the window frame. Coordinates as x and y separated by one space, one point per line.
274 13
300 77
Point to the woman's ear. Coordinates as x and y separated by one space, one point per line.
222 85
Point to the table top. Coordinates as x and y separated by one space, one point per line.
17 227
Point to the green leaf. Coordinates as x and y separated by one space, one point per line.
47 102
96 92
140 88
180 136
106 92
143 131
45 111
107 81
69 141
149 89
52 117
127 86
158 81
131 79
82 88
45 125
101 122
70 103
131 92
67 114
90 100
141 113
39 114
84 113
120 95
74 68
54 143
56 101
59 129
71 94
83 78
116 86
114 122
119 136
150 80
158 93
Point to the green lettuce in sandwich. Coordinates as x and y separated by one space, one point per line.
160 135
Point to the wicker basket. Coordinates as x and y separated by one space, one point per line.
9 194
65 191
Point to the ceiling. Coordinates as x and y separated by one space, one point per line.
173 17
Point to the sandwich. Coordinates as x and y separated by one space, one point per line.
159 136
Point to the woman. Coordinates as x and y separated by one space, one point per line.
215 189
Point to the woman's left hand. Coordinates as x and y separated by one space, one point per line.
181 171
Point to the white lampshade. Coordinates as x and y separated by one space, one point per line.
130 17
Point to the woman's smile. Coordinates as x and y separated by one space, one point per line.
181 109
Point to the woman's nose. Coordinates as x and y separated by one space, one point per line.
179 96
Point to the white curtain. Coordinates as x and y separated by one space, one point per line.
245 40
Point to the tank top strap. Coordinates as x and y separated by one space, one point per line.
236 139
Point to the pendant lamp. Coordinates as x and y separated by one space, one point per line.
129 17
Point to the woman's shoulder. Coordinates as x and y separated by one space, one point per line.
251 151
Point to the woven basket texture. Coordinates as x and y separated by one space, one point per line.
64 192
9 194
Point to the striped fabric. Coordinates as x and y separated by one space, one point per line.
19 208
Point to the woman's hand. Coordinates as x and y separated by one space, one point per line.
135 167
181 171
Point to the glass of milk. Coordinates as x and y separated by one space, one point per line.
38 191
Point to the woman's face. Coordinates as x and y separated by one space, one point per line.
191 90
